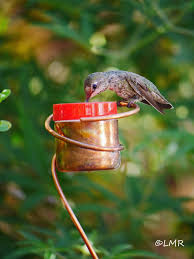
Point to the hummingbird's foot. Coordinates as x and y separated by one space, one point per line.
121 103
131 104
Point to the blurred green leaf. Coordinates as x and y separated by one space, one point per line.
4 94
4 21
49 255
138 253
4 125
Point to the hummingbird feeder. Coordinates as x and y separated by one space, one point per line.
86 140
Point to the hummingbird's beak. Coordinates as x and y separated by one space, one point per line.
88 97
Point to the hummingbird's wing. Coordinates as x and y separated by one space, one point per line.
153 97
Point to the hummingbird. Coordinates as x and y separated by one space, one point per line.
130 86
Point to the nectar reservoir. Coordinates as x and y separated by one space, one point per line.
85 145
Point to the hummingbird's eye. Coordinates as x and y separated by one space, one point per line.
94 86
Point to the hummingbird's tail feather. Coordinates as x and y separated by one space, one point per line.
154 104
166 105
160 106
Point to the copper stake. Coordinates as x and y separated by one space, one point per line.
70 211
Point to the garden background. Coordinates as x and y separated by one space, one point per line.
47 48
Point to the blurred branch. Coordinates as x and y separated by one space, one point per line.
169 24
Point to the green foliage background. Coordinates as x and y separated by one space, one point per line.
47 48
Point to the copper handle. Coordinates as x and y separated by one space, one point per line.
78 143
114 116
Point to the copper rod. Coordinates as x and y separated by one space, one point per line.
70 211
114 116
78 143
